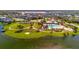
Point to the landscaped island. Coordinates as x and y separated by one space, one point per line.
40 27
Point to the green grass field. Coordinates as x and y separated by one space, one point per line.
31 35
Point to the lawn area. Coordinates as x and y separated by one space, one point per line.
14 25
32 34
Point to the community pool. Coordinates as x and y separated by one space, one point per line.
54 26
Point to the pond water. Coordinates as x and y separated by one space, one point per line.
73 41
9 43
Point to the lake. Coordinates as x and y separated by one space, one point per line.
43 42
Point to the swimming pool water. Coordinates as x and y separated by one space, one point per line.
50 26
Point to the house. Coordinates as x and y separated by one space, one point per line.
5 19
33 20
18 19
1 18
51 20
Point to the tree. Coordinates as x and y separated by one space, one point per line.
9 16
20 27
75 29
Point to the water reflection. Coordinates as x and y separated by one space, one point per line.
72 41
76 37
68 42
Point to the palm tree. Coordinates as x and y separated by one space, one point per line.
20 27
75 29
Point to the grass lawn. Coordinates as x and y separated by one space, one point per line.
32 34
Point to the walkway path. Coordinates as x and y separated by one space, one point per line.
73 24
